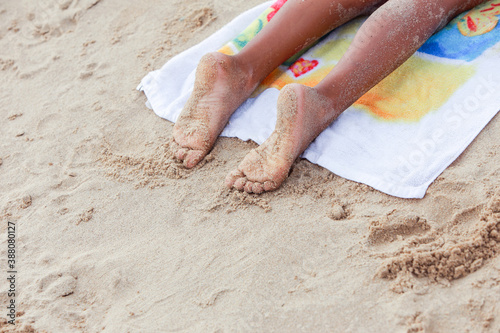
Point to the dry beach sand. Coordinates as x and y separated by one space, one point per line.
114 236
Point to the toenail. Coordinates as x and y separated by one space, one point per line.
269 185
229 181
192 158
248 187
239 183
236 174
257 188
181 153
232 177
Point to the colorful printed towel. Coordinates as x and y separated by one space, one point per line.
400 135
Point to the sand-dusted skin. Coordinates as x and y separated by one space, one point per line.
221 85
302 114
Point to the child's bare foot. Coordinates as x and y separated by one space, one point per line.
221 85
303 114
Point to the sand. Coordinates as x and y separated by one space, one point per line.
112 235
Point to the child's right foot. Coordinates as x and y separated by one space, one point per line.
220 87
303 113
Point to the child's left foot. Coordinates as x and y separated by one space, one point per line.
302 116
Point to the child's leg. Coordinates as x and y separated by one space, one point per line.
224 82
387 39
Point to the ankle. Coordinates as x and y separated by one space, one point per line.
250 73
326 97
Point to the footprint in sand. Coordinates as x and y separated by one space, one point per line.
53 18
458 251
57 285
389 229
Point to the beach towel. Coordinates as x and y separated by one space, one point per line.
400 135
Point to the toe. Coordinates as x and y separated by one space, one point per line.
181 154
257 188
270 185
240 183
248 187
193 157
232 177
173 146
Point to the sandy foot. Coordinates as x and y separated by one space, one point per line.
221 85
302 115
